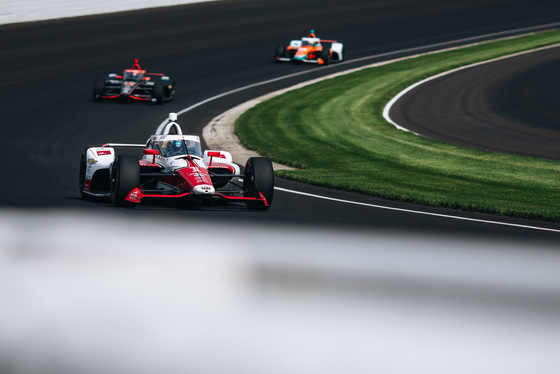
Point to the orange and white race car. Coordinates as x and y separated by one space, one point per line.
312 50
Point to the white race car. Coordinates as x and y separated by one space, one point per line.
173 167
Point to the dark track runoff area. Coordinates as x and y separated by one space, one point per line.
48 69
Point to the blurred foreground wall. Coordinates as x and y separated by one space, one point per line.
96 293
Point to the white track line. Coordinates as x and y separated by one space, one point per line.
380 55
392 102
417 211
388 54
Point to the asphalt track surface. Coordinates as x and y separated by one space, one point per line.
48 116
514 102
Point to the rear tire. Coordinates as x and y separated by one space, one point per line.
124 178
258 179
98 89
170 92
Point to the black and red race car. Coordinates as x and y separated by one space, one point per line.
136 84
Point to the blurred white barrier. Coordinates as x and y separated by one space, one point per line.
96 293
34 10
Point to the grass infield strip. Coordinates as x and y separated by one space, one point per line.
335 134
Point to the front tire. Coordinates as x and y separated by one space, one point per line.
325 56
98 89
279 52
159 91
82 175
124 178
258 180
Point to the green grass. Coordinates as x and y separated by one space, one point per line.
335 134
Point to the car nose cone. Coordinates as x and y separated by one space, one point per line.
301 54
126 89
204 189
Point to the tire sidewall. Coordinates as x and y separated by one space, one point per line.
279 52
98 89
82 175
325 56
159 91
125 177
259 179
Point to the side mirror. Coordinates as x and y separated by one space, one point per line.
153 152
213 154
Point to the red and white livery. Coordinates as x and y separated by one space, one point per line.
174 168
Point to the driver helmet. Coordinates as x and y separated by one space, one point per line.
174 147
